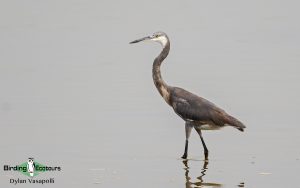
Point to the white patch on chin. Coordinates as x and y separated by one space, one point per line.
162 40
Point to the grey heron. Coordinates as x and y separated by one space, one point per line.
197 112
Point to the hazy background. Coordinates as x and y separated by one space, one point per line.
75 94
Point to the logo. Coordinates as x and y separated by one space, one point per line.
31 168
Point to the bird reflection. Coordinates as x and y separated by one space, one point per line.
199 182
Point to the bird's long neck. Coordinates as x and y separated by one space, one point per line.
161 86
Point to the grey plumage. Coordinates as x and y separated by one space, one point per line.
196 111
200 111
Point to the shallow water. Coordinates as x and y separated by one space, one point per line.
74 93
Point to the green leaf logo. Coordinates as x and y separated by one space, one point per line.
25 169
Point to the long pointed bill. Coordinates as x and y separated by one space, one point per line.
139 40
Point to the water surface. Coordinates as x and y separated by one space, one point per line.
74 93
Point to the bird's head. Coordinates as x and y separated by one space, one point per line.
159 37
30 160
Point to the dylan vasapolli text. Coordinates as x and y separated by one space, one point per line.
34 181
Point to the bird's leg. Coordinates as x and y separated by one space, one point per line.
188 129
203 143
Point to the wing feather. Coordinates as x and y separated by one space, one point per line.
194 108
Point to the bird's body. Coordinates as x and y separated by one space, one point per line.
196 111
200 112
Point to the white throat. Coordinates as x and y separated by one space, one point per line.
162 40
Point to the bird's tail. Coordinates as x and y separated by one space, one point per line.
235 123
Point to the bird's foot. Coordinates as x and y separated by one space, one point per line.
184 156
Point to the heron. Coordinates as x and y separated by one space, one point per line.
197 112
